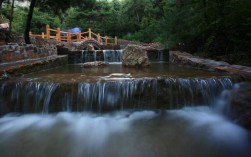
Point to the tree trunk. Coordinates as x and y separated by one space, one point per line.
11 14
28 22
1 2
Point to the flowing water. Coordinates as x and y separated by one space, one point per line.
162 111
111 56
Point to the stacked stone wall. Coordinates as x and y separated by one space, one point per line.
15 52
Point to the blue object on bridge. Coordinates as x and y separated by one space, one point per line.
75 30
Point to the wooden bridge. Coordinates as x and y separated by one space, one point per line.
69 37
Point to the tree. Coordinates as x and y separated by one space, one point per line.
19 19
213 27
11 14
28 22
56 6
89 15
1 2
8 12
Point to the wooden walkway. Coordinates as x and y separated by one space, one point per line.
69 37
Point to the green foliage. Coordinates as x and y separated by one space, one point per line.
214 27
19 19
39 20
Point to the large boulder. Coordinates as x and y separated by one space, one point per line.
240 104
134 56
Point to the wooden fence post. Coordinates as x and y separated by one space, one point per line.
69 36
98 38
48 31
116 40
79 36
43 35
106 40
90 33
58 38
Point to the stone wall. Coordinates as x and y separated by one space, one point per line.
20 68
17 52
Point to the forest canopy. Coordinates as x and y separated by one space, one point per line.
215 27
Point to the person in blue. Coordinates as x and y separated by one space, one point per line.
75 30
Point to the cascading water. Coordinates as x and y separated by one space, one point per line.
112 55
117 115
88 56
26 97
160 55
110 95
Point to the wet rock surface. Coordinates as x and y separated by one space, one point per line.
239 96
29 66
94 64
188 60
240 104
134 56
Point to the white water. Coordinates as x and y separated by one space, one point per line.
188 132
112 56
115 91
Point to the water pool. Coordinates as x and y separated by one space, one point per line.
114 111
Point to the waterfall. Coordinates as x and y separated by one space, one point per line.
107 96
26 97
166 93
112 55
115 56
192 91
88 56
150 117
160 56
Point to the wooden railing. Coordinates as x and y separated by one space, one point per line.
69 37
